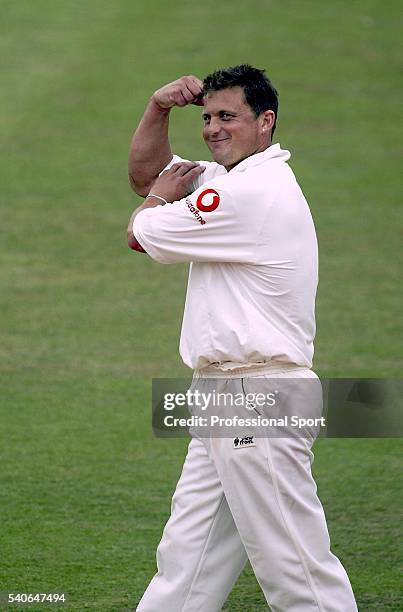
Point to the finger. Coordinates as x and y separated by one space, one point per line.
185 167
197 81
174 167
191 175
195 170
194 87
187 94
179 99
199 100
177 166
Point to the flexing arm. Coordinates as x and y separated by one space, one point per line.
150 151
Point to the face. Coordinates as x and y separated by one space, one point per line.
231 130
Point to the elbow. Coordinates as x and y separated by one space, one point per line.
142 189
133 243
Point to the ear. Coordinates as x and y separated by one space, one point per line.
267 121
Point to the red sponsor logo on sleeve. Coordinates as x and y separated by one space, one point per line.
208 200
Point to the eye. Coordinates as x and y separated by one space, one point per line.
206 119
226 116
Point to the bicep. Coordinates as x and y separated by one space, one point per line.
142 183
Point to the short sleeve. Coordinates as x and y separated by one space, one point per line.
175 160
212 170
204 227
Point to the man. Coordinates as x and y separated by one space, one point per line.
243 223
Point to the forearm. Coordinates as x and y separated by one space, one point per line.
149 202
150 150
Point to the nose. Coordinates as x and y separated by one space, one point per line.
212 129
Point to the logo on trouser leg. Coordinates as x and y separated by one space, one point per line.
244 442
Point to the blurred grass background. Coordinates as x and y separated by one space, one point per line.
84 487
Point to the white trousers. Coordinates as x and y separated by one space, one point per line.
257 503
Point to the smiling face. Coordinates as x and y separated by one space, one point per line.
231 129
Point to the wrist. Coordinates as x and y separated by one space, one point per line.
157 108
160 199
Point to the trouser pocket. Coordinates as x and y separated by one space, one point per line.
286 406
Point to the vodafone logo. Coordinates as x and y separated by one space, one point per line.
208 200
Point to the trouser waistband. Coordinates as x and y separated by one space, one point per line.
244 372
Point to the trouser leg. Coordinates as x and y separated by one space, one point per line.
272 496
200 554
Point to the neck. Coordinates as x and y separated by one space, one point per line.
260 149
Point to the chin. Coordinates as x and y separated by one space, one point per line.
224 160
219 160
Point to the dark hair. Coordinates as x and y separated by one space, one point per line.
259 92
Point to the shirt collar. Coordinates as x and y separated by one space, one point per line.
272 152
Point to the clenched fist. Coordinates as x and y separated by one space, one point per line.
183 91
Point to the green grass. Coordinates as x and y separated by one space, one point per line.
84 487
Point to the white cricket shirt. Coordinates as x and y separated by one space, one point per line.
251 241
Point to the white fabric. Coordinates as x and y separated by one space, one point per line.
252 283
258 502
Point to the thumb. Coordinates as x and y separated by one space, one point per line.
198 101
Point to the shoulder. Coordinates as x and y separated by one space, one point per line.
212 170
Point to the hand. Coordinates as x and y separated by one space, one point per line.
176 183
183 91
